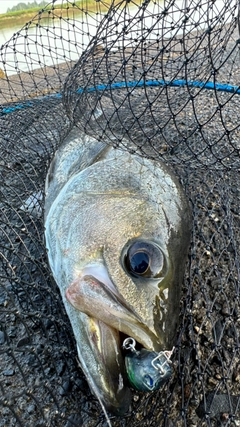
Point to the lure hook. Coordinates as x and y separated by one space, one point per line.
160 366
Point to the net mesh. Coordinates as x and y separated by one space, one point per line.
159 79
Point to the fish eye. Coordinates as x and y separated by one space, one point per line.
144 259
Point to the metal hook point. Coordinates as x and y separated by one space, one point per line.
160 366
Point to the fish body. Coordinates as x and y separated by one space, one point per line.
117 230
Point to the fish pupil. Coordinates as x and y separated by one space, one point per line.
144 260
139 262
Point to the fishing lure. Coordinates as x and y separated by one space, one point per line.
146 370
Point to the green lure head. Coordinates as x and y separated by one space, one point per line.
147 370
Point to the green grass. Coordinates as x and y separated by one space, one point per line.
23 16
20 17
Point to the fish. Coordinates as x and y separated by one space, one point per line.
117 233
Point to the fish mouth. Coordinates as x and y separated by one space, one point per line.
108 320
99 299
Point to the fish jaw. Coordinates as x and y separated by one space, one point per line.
103 315
94 298
101 361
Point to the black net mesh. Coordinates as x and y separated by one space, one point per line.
159 79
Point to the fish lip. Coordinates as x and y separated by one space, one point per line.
98 271
122 317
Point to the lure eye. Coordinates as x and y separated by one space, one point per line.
144 259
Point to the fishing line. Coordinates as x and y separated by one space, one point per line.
220 87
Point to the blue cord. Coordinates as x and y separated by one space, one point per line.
135 84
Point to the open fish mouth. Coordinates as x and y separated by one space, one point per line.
108 320
99 299
94 294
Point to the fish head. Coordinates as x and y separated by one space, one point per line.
118 235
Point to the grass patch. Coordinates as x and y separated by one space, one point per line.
78 8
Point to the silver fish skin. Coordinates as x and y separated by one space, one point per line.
117 230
